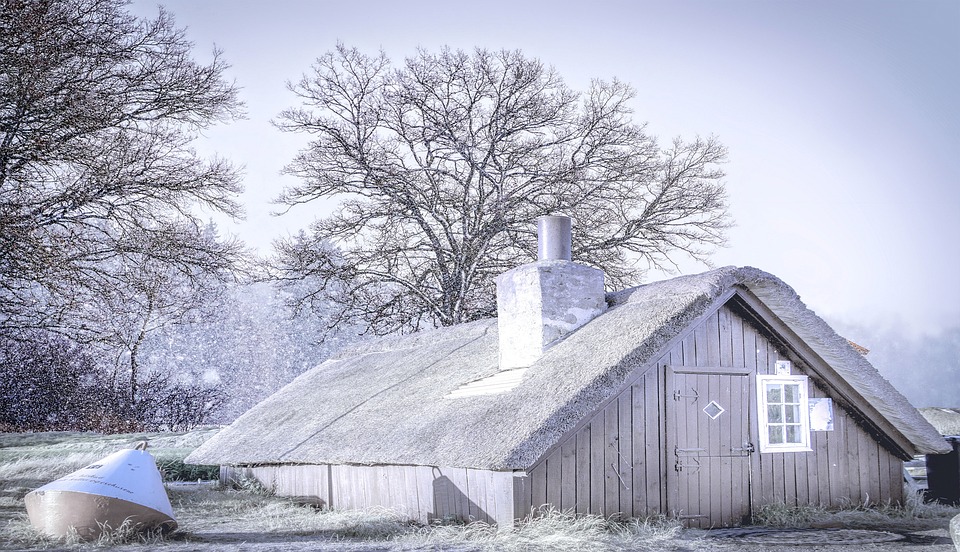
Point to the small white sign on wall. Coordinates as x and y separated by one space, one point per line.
821 414
782 367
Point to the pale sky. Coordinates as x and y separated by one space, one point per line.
842 118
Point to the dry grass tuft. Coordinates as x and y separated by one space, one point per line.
551 529
229 510
914 514
127 533
18 533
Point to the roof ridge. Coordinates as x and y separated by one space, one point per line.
402 342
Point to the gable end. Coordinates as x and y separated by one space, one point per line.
800 353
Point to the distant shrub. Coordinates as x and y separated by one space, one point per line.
162 404
173 469
49 383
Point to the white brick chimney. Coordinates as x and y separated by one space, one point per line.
541 302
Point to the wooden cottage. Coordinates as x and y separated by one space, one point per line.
700 397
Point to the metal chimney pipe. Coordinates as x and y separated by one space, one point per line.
553 238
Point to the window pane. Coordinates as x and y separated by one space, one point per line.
783 413
773 393
776 434
791 393
793 434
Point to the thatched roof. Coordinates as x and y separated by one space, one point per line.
385 401
944 420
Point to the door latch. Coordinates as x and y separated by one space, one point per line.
746 449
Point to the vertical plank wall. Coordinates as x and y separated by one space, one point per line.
611 465
422 493
846 467
616 462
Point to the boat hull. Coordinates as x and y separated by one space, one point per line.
58 513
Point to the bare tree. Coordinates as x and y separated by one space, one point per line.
151 296
443 164
97 113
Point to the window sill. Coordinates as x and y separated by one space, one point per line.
769 450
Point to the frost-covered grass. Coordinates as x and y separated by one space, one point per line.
213 511
54 444
48 456
225 511
914 514
552 530
45 467
19 533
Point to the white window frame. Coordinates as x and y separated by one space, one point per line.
763 416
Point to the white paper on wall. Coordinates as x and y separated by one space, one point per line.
821 414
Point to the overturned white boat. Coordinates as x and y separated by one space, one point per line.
125 487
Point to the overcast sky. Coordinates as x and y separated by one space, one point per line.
842 117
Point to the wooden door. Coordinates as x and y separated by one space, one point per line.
708 430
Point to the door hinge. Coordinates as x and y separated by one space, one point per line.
692 467
678 394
